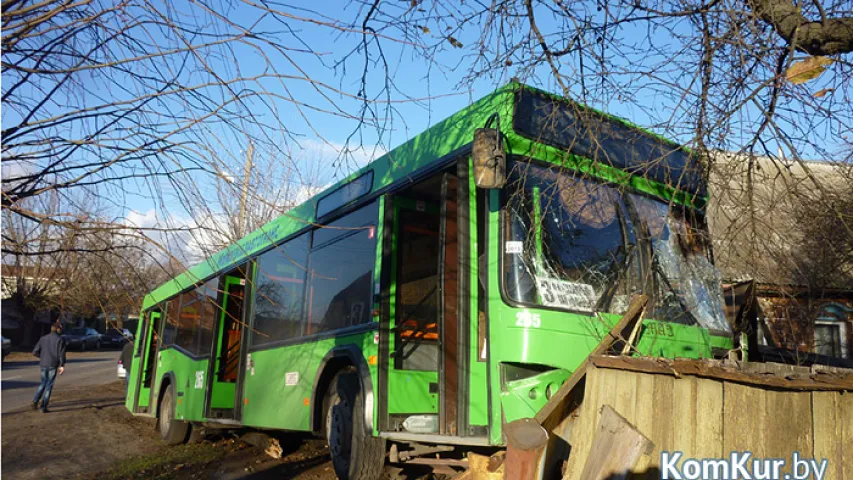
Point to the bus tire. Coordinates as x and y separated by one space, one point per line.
356 454
172 431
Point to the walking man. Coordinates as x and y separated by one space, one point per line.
51 352
126 360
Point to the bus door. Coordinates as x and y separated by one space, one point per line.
148 360
223 379
423 377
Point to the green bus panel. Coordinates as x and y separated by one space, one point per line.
190 381
478 391
408 392
279 381
134 383
223 395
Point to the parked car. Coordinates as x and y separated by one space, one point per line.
116 337
7 347
82 338
122 372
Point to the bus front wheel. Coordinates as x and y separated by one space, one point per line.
355 453
172 431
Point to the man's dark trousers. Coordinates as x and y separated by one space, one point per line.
48 376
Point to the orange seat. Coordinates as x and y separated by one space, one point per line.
409 330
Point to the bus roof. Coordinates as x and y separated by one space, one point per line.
443 138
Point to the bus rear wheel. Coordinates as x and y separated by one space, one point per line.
356 454
172 431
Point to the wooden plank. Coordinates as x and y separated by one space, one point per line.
558 448
607 390
743 419
845 414
684 415
680 414
644 404
551 414
646 409
828 432
663 424
585 426
626 394
629 344
617 448
449 331
773 368
788 425
709 421
817 381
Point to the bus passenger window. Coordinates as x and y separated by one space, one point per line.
279 288
170 329
341 272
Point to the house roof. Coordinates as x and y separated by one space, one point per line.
782 222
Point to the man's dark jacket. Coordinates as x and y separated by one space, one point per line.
51 351
127 356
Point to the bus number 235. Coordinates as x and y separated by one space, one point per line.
527 320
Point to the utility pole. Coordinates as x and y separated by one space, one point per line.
247 174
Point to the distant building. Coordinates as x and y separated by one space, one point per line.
23 323
785 249
124 320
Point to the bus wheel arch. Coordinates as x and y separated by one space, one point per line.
161 386
341 358
171 430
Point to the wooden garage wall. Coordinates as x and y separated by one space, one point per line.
711 418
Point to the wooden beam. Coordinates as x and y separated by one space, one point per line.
525 443
551 414
710 369
618 448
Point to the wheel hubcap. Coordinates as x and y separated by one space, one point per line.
166 414
337 429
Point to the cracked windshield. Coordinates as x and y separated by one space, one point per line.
575 244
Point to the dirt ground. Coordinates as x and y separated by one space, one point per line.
90 435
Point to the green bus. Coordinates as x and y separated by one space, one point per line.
442 291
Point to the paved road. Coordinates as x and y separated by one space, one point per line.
20 376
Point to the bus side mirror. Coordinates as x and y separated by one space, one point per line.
489 158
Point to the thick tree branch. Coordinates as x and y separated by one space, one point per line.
829 36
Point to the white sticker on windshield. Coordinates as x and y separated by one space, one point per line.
560 293
514 247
